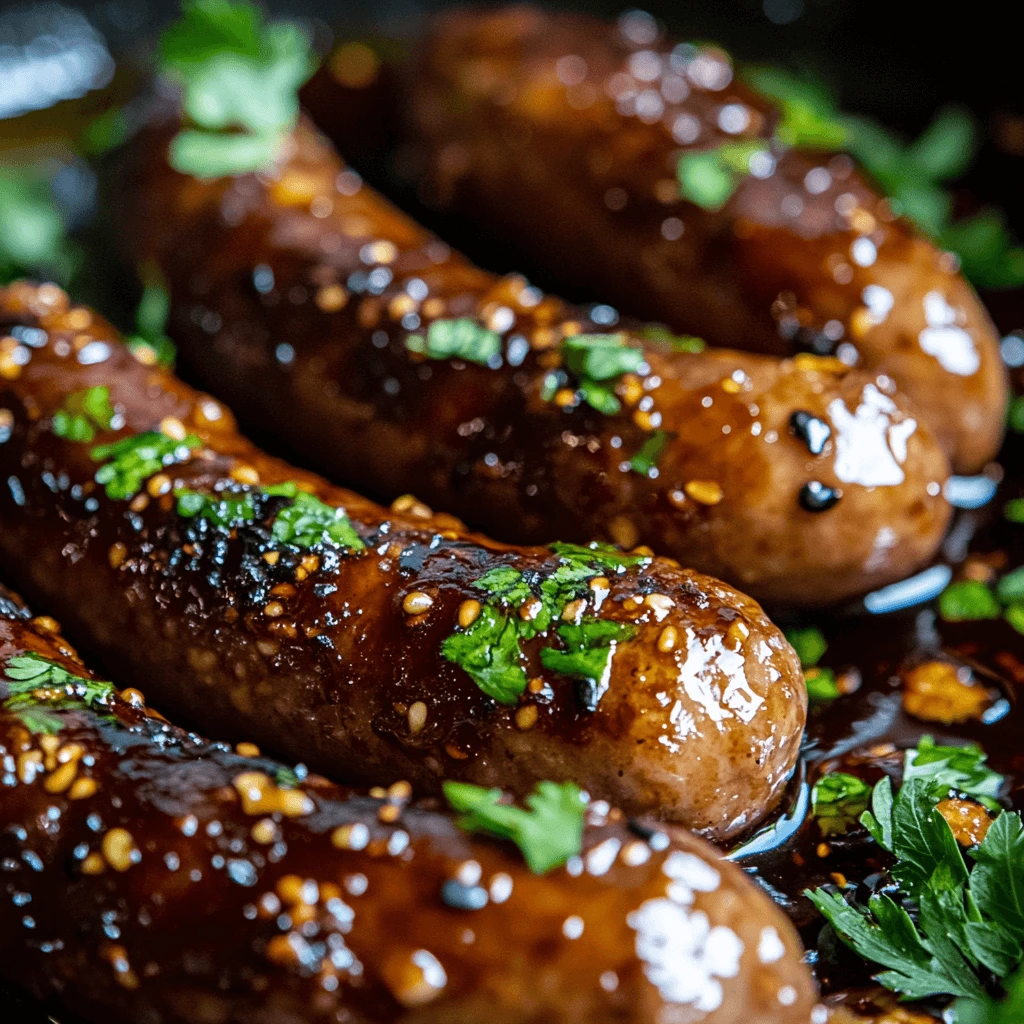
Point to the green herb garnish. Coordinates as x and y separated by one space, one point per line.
809 643
307 521
650 451
973 601
128 463
150 326
34 242
838 800
457 339
240 78
38 687
964 923
1009 1010
597 361
83 414
946 771
490 650
678 342
709 178
223 510
1014 510
547 834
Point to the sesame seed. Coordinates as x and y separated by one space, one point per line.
704 492
417 603
61 779
82 789
468 612
94 864
173 428
119 849
117 554
158 485
273 609
667 639
526 717
418 715
245 474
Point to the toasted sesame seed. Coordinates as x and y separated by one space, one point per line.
116 555
661 603
119 849
573 610
330 298
281 951
389 813
293 803
400 790
823 849
264 831
417 716
173 428
599 583
469 611
417 603
530 609
271 557
667 639
60 779
704 492
245 749
94 864
140 502
526 717
158 485
82 789
273 609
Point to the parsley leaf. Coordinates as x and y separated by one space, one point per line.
128 463
589 647
968 601
547 834
988 1011
307 521
949 770
809 643
34 241
678 342
83 414
224 510
597 361
489 652
149 343
709 178
597 556
457 339
37 688
1014 510
240 78
650 451
838 800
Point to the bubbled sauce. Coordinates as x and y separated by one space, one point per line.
169 878
295 294
322 653
583 122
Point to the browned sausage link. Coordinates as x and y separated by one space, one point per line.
152 875
298 296
653 687
530 120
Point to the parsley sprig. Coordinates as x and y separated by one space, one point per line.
240 77
37 688
597 362
490 649
150 343
940 928
83 413
547 834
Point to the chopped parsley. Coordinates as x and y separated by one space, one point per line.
947 771
128 463
650 451
240 78
490 648
1015 414
596 362
709 178
810 645
149 339
34 241
974 601
304 522
83 414
37 688
838 800
678 342
307 521
1014 510
457 339
990 1011
912 175
548 833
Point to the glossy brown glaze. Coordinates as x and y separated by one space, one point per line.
333 655
529 120
294 295
151 875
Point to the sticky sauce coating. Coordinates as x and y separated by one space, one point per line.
583 122
323 315
262 604
147 874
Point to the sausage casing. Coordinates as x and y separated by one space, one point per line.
318 311
583 122
150 875
390 648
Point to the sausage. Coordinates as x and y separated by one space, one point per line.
296 297
152 875
583 122
260 603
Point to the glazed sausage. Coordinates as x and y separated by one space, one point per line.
529 119
151 875
377 646
297 296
